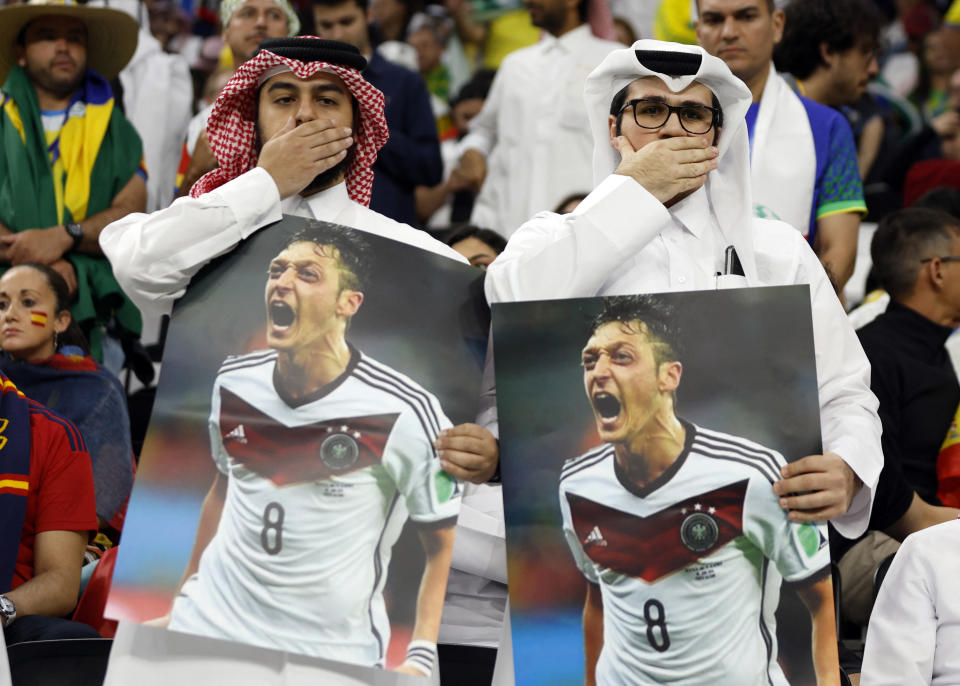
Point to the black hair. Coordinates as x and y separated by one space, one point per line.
906 237
943 199
352 250
477 87
567 200
657 316
771 6
73 335
583 10
840 24
362 4
461 233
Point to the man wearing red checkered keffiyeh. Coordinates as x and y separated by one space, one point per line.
232 127
295 132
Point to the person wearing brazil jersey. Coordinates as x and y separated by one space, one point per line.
323 454
676 528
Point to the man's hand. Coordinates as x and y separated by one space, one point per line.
468 452
816 488
296 154
668 167
407 669
69 274
45 246
471 171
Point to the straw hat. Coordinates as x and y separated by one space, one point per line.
111 34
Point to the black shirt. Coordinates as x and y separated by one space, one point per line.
918 391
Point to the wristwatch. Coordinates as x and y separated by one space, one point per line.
8 610
75 231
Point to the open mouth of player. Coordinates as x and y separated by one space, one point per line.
607 406
282 315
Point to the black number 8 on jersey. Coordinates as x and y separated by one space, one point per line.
273 524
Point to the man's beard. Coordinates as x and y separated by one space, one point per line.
335 174
59 88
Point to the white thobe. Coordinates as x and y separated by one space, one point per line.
914 633
533 129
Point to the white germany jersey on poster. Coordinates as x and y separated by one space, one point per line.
318 491
689 567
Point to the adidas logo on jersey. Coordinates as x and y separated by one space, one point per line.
236 435
595 538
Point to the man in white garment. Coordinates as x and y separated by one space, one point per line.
320 124
915 626
531 140
819 192
672 210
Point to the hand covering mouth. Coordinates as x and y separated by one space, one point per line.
606 405
281 314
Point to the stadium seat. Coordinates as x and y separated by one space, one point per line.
77 662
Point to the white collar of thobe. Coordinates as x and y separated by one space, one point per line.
693 212
323 204
567 41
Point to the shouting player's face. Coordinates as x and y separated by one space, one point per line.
627 388
306 308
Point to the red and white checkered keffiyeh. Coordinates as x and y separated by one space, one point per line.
231 128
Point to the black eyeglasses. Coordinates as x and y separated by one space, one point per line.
944 258
652 114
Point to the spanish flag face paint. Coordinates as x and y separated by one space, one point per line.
38 318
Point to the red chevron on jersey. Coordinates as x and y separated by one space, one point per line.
653 547
313 452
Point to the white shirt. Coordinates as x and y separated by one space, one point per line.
683 564
533 129
302 546
622 241
154 256
914 632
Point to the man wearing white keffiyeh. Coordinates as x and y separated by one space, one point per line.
673 197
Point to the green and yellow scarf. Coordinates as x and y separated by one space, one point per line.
100 151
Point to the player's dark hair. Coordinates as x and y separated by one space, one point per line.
620 98
352 250
657 316
497 242
840 24
906 237
61 292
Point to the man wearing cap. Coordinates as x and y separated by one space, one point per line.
70 163
295 131
819 192
530 140
671 211
245 23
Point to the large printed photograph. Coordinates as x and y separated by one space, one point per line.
289 495
640 437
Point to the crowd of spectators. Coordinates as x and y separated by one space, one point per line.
854 133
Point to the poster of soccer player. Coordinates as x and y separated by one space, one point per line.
639 437
289 495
